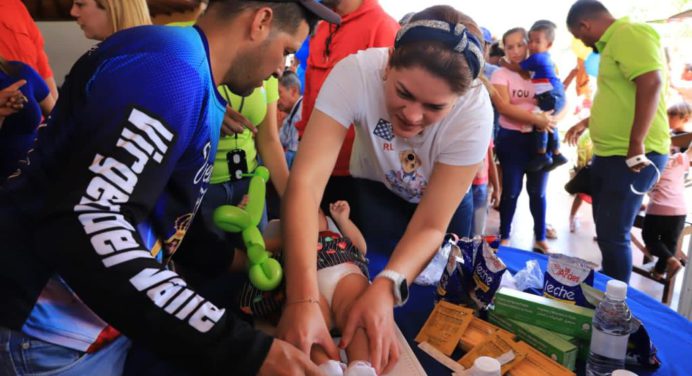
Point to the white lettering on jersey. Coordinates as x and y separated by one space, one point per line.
113 236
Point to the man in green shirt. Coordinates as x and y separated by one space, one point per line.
628 125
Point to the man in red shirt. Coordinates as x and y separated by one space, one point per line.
364 24
21 40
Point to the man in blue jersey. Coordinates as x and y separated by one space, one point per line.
104 199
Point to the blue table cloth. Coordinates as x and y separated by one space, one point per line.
670 332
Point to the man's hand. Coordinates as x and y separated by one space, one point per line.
340 210
234 122
634 150
284 359
302 325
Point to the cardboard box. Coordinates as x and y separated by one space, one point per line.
554 345
544 312
537 364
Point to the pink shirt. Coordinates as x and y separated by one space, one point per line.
521 94
668 196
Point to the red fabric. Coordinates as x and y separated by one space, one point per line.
20 38
107 335
366 27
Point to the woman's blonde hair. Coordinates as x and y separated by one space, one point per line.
126 13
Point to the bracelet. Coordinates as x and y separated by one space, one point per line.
301 301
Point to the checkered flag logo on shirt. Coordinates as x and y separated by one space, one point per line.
384 130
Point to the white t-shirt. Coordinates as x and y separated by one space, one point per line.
354 94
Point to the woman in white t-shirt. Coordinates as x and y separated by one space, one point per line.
423 121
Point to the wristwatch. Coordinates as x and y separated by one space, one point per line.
400 289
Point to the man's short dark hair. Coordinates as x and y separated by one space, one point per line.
287 16
584 9
289 80
546 27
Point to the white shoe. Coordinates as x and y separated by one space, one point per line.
332 368
360 368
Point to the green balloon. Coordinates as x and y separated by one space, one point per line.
231 218
264 272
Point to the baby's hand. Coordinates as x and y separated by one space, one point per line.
339 210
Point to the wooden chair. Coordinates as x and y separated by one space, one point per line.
648 260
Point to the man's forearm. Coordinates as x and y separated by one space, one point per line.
646 103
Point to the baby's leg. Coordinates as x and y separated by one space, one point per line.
350 288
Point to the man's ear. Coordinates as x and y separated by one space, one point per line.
550 44
261 23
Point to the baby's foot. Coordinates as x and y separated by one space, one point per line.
360 368
332 368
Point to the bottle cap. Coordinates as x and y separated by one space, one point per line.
616 290
485 366
623 372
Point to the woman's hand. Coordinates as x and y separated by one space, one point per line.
303 326
545 121
374 312
573 134
495 199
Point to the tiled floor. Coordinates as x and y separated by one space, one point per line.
581 243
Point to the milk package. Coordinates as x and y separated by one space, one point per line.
473 273
564 277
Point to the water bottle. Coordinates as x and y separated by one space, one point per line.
612 325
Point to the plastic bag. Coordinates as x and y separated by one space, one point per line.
529 277
433 271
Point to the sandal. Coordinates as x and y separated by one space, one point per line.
541 247
550 232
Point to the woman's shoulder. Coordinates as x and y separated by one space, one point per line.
371 60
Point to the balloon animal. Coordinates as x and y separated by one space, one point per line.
265 272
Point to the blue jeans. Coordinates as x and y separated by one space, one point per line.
462 220
615 207
480 208
514 150
24 355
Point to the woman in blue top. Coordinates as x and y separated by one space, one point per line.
18 130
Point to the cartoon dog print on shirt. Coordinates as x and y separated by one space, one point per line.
408 182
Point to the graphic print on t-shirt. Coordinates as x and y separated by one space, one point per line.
408 182
383 130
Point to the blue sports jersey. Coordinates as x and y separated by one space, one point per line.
543 68
113 183
19 129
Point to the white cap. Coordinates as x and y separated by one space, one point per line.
485 366
623 372
616 290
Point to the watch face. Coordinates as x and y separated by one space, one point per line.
403 291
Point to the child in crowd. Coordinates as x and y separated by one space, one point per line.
679 117
665 215
342 276
550 94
